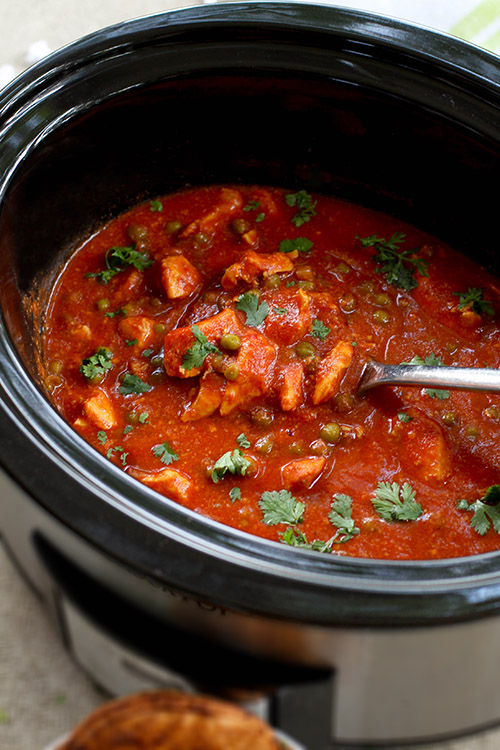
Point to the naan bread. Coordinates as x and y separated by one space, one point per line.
168 720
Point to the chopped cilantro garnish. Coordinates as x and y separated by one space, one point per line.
301 244
196 355
235 494
280 311
119 258
128 428
243 441
249 304
120 450
155 205
143 417
120 311
233 462
281 507
97 364
485 512
251 206
438 393
395 503
403 417
133 384
340 516
473 299
101 437
165 453
398 266
130 342
148 352
304 204
260 217
319 329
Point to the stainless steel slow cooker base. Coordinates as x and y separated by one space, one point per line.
376 687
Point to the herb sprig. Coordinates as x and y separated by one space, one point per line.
232 462
485 512
398 266
395 503
97 364
117 259
473 299
197 354
255 311
304 204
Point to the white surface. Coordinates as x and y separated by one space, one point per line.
42 692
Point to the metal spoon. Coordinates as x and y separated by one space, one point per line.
464 378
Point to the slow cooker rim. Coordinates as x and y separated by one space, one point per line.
441 573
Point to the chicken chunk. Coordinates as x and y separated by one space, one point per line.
170 482
303 472
291 391
230 201
208 399
289 319
179 277
137 328
252 265
331 371
100 411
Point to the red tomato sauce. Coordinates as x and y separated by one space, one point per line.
234 322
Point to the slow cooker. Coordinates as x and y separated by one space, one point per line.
332 650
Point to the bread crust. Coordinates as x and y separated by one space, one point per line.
169 720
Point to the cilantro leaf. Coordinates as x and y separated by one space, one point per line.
155 205
196 355
233 462
304 204
281 507
403 417
319 329
133 384
280 311
391 260
251 206
97 364
295 538
485 512
301 244
249 304
439 393
395 503
235 494
473 299
243 441
165 453
117 259
341 516
101 437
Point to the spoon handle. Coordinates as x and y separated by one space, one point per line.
465 378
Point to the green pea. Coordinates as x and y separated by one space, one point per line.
297 448
137 232
156 360
305 349
382 299
318 447
264 445
381 316
173 226
273 281
262 417
231 372
55 367
102 304
230 341
450 418
160 329
331 432
240 226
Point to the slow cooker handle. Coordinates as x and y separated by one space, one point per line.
103 633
